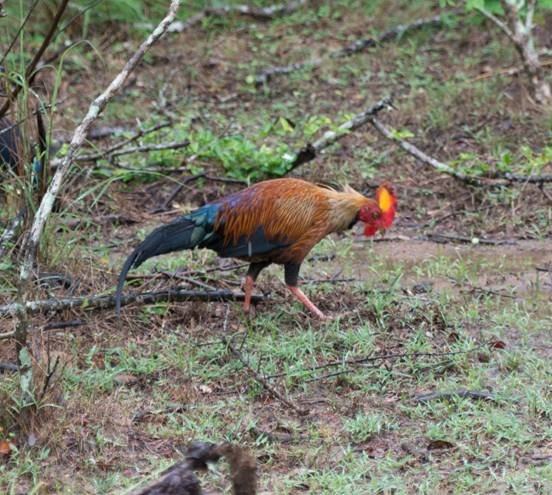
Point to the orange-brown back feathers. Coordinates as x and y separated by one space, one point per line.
292 211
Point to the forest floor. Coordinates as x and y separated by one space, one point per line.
465 318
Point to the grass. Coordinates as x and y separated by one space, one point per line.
128 396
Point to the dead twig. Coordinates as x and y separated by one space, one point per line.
420 155
260 13
255 374
102 132
353 47
60 325
108 302
200 273
311 151
447 238
176 191
145 148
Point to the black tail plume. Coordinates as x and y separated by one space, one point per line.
181 234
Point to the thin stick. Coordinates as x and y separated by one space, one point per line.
176 192
107 302
118 146
262 13
421 156
256 375
146 148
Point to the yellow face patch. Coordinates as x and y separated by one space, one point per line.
385 200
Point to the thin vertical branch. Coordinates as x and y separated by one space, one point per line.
79 136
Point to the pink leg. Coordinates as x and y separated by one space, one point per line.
248 288
307 302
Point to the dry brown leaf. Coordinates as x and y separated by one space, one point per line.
5 447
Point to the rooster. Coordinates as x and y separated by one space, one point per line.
275 221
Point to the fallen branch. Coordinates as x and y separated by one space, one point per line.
108 302
11 231
353 47
61 325
198 273
531 179
480 180
145 148
421 156
260 13
311 151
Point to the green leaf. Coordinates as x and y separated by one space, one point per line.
475 4
404 134
286 126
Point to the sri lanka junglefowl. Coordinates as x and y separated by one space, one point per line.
275 221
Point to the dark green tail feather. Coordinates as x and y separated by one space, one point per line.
183 233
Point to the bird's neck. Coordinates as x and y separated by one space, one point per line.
343 209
